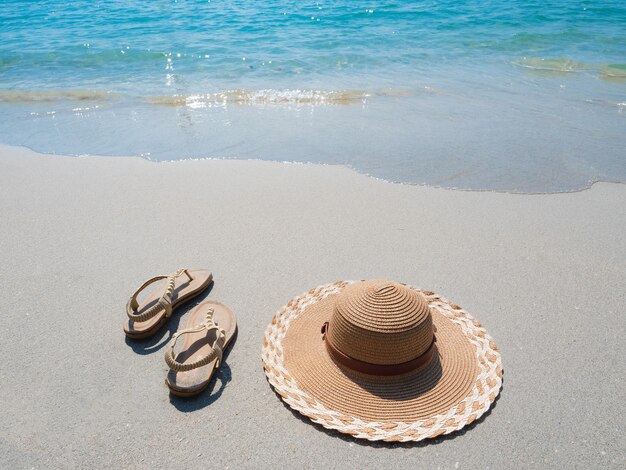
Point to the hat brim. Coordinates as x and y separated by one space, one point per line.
455 388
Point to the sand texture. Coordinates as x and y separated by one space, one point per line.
545 274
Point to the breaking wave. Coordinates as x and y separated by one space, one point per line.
271 97
15 96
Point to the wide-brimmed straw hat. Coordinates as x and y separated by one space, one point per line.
381 361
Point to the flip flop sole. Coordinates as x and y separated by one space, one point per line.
193 382
182 294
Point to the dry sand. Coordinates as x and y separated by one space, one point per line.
545 274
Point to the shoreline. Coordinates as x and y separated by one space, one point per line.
514 133
8 148
544 273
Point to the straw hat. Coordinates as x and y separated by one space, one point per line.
381 361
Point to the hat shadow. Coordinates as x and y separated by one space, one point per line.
162 337
394 445
419 381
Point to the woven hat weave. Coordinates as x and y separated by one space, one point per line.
381 361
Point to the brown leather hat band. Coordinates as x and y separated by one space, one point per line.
377 369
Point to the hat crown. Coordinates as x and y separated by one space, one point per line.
381 322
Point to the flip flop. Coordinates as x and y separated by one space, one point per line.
193 365
147 317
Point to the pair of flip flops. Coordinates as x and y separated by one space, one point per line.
207 334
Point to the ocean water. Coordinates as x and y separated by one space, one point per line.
522 96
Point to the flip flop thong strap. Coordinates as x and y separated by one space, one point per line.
216 351
164 302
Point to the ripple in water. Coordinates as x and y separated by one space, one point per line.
516 96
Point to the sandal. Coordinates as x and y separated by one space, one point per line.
192 368
145 318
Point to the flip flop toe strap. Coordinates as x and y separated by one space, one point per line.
216 351
164 302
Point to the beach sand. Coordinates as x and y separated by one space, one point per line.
545 274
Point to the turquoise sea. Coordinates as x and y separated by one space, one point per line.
524 96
